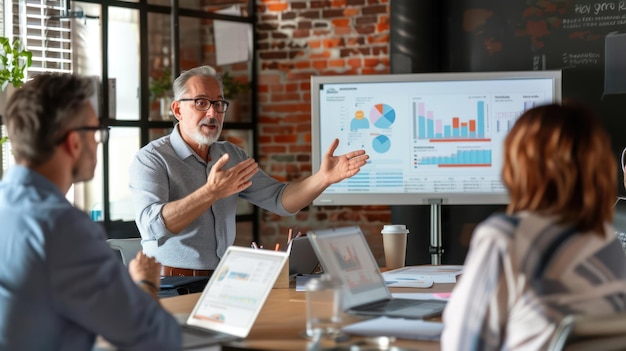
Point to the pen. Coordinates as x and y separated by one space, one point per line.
254 245
277 247
289 236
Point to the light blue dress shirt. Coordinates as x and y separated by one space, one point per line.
60 282
166 170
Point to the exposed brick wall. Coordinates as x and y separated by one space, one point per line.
298 39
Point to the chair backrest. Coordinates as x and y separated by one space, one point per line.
575 333
127 248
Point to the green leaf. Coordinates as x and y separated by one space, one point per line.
233 87
14 60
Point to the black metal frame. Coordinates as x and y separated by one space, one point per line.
113 227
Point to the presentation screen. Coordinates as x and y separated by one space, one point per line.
431 138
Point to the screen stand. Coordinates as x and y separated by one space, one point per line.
436 250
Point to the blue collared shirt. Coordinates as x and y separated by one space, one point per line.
167 170
60 282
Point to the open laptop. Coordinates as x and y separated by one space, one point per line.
344 253
302 258
233 297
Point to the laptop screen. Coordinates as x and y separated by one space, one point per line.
234 296
344 253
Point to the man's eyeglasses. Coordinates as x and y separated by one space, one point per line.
101 133
204 104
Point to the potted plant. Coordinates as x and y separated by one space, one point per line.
161 84
14 60
233 87
161 89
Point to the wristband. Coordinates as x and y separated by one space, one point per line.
149 283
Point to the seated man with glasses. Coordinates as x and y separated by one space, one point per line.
61 285
185 186
100 133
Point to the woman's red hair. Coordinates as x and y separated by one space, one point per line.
558 161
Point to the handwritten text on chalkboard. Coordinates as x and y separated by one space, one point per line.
600 7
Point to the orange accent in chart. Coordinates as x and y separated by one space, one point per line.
472 125
359 114
455 122
379 107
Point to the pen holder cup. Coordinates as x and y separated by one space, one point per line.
283 278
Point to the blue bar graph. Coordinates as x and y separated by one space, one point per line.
459 159
480 119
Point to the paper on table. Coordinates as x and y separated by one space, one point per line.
398 327
439 274
410 283
423 296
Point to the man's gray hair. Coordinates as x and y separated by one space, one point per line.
180 84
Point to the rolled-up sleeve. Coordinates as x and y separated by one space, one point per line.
148 183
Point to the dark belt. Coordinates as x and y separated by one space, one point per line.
176 272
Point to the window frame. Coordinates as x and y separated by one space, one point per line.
145 125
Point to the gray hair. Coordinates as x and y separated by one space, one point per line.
42 111
180 84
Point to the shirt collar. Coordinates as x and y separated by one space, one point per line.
184 151
24 175
181 148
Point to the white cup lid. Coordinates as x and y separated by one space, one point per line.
394 229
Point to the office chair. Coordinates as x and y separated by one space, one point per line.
577 333
127 248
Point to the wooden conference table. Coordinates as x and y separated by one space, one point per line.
282 321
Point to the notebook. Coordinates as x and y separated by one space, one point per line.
344 253
302 258
233 297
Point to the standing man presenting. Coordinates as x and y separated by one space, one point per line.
60 282
185 185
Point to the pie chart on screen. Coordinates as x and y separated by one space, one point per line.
382 116
381 144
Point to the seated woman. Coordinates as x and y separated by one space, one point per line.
554 252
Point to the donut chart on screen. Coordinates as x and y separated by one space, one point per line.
382 116
381 144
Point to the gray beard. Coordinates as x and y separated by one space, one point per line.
202 139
